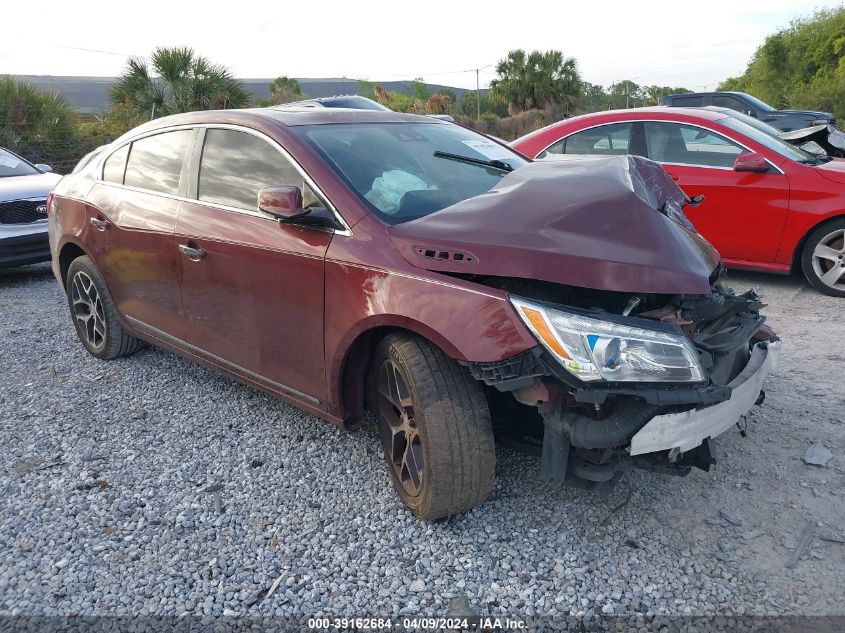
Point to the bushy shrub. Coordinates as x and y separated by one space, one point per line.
39 125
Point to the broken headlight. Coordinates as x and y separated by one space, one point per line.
594 349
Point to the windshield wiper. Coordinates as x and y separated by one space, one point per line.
495 164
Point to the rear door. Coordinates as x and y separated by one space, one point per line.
253 289
132 228
743 214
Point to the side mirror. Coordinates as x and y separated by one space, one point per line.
284 203
751 162
43 167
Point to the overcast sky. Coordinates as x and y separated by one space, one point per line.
672 42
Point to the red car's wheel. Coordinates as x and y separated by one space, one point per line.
823 258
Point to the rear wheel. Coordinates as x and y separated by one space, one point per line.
823 258
435 427
94 314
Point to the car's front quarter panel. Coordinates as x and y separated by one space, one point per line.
369 285
813 200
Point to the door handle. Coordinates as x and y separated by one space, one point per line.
100 224
194 254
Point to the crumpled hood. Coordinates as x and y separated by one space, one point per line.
21 187
587 221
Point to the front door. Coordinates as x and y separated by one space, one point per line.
252 288
743 214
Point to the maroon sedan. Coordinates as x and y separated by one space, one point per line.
346 260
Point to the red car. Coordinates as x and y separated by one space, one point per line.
345 260
768 206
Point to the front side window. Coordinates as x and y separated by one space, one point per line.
235 166
733 103
115 165
155 162
403 171
689 145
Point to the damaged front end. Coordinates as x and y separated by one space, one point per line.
822 140
643 380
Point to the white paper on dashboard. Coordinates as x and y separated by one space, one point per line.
489 149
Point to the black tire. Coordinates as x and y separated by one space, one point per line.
448 425
832 235
93 313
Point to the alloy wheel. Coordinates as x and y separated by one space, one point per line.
88 310
399 432
829 259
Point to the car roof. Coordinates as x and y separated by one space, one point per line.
702 94
634 113
287 117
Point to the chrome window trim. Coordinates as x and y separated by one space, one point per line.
698 125
346 231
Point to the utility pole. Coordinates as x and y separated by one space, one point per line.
477 95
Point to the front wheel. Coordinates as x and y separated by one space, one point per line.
823 258
435 428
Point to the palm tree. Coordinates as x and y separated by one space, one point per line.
177 80
536 80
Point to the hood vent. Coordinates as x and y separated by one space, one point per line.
445 255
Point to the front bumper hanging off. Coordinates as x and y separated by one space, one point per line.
688 429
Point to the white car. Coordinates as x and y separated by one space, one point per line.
23 211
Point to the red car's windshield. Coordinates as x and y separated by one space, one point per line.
403 171
768 140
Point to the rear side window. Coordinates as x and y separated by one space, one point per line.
613 139
235 166
155 162
115 165
688 102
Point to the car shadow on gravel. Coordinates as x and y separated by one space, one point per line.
21 275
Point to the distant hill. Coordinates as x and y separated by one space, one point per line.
90 95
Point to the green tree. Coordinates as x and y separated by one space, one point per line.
367 89
419 91
469 105
536 80
801 66
283 89
39 125
177 80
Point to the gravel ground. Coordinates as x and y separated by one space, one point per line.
150 485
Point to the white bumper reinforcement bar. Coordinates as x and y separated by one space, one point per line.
687 430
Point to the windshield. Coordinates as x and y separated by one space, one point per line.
760 105
769 140
11 165
403 171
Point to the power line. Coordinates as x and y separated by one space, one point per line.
94 50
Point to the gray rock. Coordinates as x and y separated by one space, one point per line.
817 455
417 586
